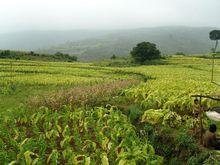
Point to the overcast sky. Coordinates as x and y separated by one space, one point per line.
21 15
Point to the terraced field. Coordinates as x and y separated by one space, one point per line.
84 113
22 79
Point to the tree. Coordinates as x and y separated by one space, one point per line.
6 52
72 58
145 51
215 35
180 53
113 57
58 54
31 52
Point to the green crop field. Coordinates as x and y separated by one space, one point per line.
22 79
86 113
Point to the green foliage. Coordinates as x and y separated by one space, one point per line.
103 135
134 113
7 88
64 57
199 158
118 62
73 136
214 35
7 54
175 145
185 141
153 116
164 117
21 81
179 53
213 158
145 51
172 119
171 94
113 57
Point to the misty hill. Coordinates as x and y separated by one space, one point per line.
96 45
33 40
169 40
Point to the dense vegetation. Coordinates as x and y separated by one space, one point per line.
215 35
145 51
79 136
95 114
58 56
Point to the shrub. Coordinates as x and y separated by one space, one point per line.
134 114
180 53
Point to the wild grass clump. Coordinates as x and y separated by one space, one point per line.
89 96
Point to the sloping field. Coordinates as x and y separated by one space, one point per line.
104 115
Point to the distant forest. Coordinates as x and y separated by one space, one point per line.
22 55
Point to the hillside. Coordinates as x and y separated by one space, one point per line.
32 40
169 40
91 45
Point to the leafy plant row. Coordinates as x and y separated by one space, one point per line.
79 136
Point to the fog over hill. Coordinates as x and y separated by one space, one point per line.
33 40
190 40
101 44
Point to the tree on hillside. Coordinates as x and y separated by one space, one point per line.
6 52
113 57
145 51
32 53
65 57
58 54
215 35
180 53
